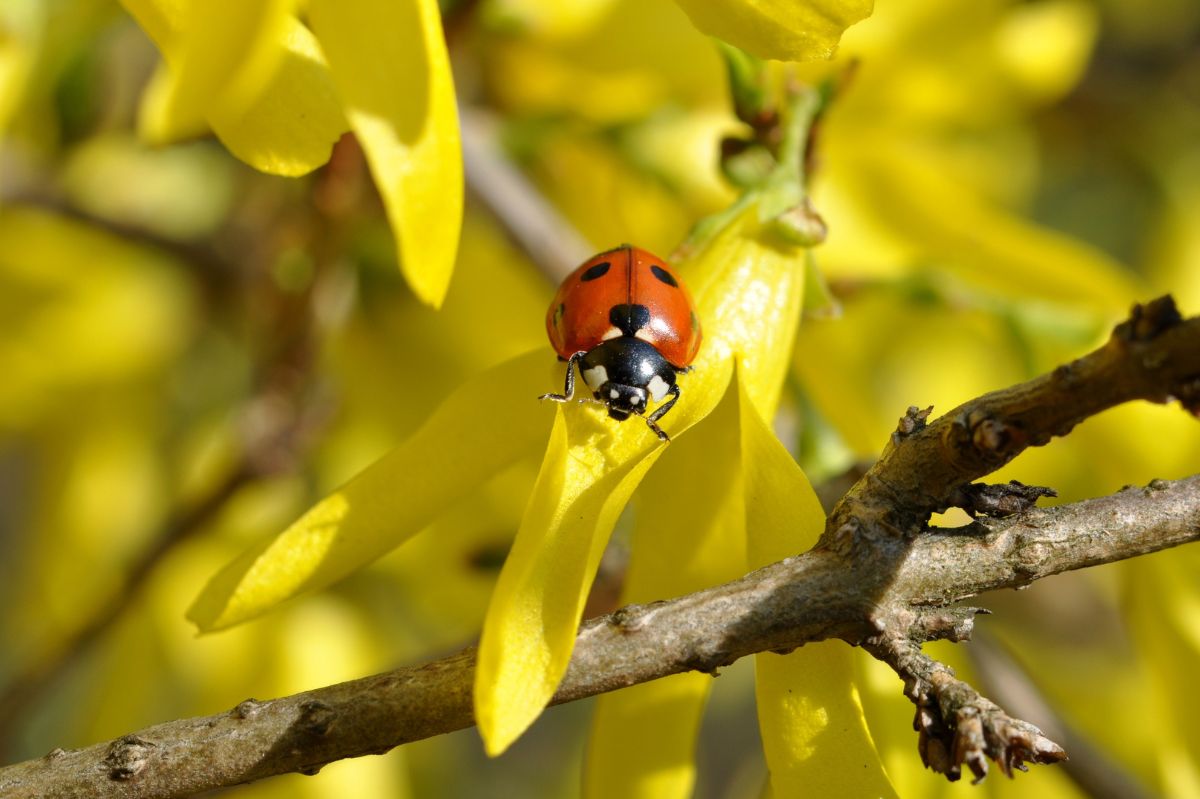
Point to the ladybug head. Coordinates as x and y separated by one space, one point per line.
622 400
626 373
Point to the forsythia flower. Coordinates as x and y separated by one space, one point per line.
746 502
279 95
748 277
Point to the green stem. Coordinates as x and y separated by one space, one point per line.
782 189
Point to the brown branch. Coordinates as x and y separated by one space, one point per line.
880 579
957 726
1154 356
810 597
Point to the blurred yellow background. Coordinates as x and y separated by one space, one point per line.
193 352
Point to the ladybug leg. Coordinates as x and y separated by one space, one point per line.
652 419
569 388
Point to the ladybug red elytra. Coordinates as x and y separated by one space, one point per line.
628 321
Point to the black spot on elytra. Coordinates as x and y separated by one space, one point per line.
663 275
597 271
629 319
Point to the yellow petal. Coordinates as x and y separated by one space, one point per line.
392 71
77 301
786 30
21 25
985 245
1161 601
749 305
223 56
291 126
460 446
1047 46
748 288
590 469
643 739
688 535
293 123
529 631
814 734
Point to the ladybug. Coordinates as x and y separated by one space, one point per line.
629 323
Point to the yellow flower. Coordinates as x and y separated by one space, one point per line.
279 95
751 505
748 277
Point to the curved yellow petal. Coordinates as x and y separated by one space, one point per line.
643 739
589 472
815 736
392 71
224 54
1161 598
786 30
292 125
289 127
1046 47
76 301
688 535
748 287
529 631
814 733
983 244
460 446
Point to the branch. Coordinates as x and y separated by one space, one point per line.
880 578
1154 355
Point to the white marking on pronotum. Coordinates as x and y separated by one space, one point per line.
612 392
635 399
658 388
612 332
596 376
646 334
